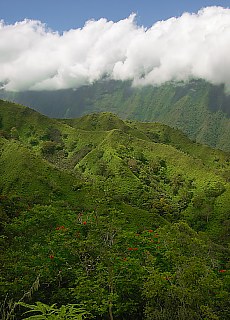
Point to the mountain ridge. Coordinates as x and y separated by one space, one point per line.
199 109
95 202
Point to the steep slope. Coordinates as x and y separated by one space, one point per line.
26 123
27 175
199 109
119 217
138 161
160 133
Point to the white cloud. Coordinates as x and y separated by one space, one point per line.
191 46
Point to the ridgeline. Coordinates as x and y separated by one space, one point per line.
113 219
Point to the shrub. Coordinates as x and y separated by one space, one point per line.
48 148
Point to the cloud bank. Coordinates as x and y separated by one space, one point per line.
33 57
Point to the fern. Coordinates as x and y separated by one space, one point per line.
43 311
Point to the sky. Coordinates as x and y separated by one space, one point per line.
49 45
62 15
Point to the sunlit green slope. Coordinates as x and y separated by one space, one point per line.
199 109
119 217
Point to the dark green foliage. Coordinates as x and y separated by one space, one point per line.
127 220
48 148
190 288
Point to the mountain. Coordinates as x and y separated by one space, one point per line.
126 219
199 109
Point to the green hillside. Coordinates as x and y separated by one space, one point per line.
113 219
199 109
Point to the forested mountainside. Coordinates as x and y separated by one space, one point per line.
111 219
199 109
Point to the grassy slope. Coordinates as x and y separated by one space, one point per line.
107 152
203 165
199 109
26 174
86 180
